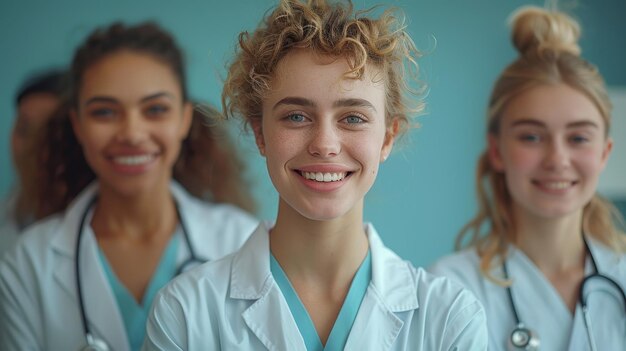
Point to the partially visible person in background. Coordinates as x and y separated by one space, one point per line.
128 166
545 256
35 102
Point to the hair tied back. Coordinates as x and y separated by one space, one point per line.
538 32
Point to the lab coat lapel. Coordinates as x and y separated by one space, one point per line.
64 243
100 305
392 290
269 318
376 321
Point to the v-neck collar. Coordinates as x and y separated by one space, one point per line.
346 317
165 268
134 313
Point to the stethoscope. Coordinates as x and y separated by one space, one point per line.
97 344
523 338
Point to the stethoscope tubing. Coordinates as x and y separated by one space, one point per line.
582 299
83 316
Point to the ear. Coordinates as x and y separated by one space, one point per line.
187 120
608 146
390 137
76 125
494 153
257 128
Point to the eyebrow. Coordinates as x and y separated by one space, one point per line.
108 99
294 100
534 122
354 103
300 101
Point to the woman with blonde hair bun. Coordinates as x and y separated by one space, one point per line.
543 254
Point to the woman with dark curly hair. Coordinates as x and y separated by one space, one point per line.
127 170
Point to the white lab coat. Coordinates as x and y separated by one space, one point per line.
39 307
9 229
539 305
235 304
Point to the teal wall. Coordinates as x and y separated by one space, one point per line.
424 192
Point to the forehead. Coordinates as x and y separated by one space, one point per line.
37 105
302 71
128 74
553 106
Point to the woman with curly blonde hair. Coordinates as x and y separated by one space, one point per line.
544 244
324 88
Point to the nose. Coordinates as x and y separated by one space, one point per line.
557 156
325 141
132 129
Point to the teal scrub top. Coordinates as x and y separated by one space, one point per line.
341 329
135 315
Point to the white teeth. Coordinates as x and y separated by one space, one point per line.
557 185
133 160
324 177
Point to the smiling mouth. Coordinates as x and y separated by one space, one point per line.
134 160
325 177
555 185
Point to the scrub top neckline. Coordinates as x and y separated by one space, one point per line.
135 314
345 319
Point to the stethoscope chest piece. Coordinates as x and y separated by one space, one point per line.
523 338
94 344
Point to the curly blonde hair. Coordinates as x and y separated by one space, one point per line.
329 29
547 42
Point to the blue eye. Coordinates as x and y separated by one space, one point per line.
354 120
296 117
102 112
532 138
157 110
578 139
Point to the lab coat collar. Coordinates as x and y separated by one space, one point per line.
98 296
65 242
393 289
250 275
609 262
390 274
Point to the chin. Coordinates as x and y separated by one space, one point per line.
326 214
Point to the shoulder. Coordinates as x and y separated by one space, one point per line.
443 291
220 215
452 310
462 267
609 261
189 310
34 242
458 261
199 286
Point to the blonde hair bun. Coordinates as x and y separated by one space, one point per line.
537 31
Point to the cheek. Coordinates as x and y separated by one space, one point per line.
94 140
284 144
17 145
366 149
590 162
519 159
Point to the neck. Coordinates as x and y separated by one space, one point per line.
141 217
329 252
554 245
